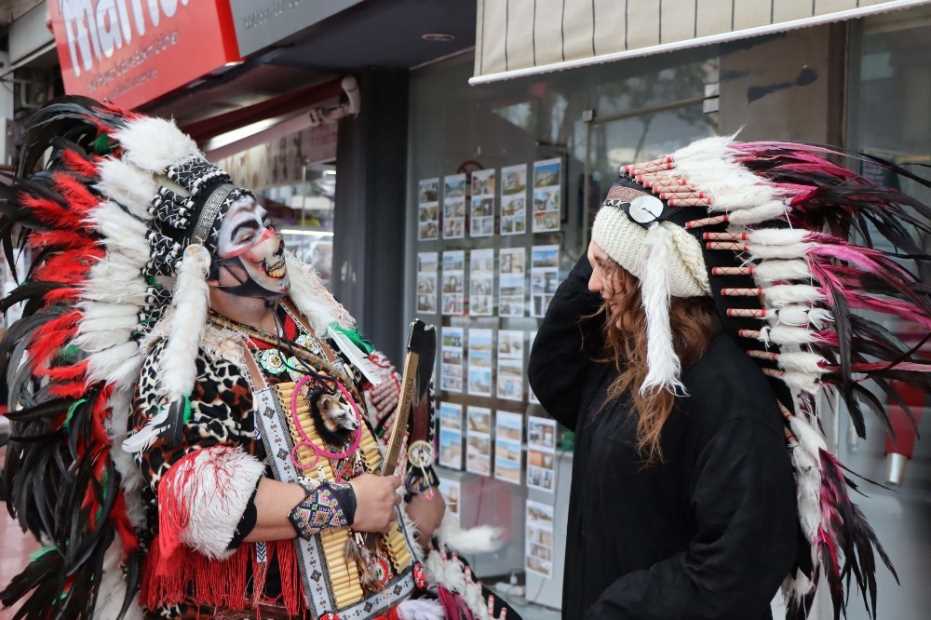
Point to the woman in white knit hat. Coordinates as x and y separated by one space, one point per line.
729 294
681 507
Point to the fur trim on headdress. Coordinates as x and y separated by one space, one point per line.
313 299
663 364
153 144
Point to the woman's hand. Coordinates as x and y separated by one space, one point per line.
376 497
426 513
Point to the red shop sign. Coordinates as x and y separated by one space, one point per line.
131 51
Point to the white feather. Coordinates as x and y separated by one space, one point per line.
808 491
791 294
128 185
189 316
711 148
313 299
770 271
789 251
142 440
802 361
153 144
809 438
131 480
99 341
801 316
112 221
663 364
98 310
802 382
772 210
119 365
778 236
784 334
107 323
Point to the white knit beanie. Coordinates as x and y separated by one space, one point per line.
667 261
625 242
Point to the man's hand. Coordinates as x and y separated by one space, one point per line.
376 497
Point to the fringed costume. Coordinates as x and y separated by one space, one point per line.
143 421
804 261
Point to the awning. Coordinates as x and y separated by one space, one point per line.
518 38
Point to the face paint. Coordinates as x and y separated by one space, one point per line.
251 251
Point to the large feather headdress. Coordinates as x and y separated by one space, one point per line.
804 260
120 223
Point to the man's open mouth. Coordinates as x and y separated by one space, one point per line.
276 269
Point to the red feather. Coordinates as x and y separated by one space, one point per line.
62 294
78 163
64 373
48 339
51 213
65 239
78 196
68 390
69 267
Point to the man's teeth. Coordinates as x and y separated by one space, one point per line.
277 270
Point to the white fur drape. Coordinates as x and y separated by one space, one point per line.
663 365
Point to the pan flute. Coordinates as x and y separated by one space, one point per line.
333 583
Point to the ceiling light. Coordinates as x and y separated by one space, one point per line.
438 37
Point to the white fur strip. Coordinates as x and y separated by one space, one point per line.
153 144
662 362
769 211
128 185
215 484
769 271
190 302
809 438
778 236
791 294
800 316
112 587
314 301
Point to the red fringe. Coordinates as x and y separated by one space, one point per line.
79 197
173 511
198 580
76 162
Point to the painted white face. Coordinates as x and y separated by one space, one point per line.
247 235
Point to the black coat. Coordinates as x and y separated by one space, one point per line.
708 533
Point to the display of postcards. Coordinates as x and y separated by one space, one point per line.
541 470
453 283
509 426
547 201
450 449
508 461
541 433
451 492
478 420
451 416
428 209
480 361
454 206
510 364
544 277
512 281
482 216
530 395
478 441
427 270
513 214
482 282
546 209
538 535
451 359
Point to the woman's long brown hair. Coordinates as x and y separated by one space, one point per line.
694 324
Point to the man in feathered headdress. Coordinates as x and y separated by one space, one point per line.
193 414
729 292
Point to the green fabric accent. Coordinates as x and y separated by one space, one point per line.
102 144
354 336
68 355
72 409
42 551
187 410
567 441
